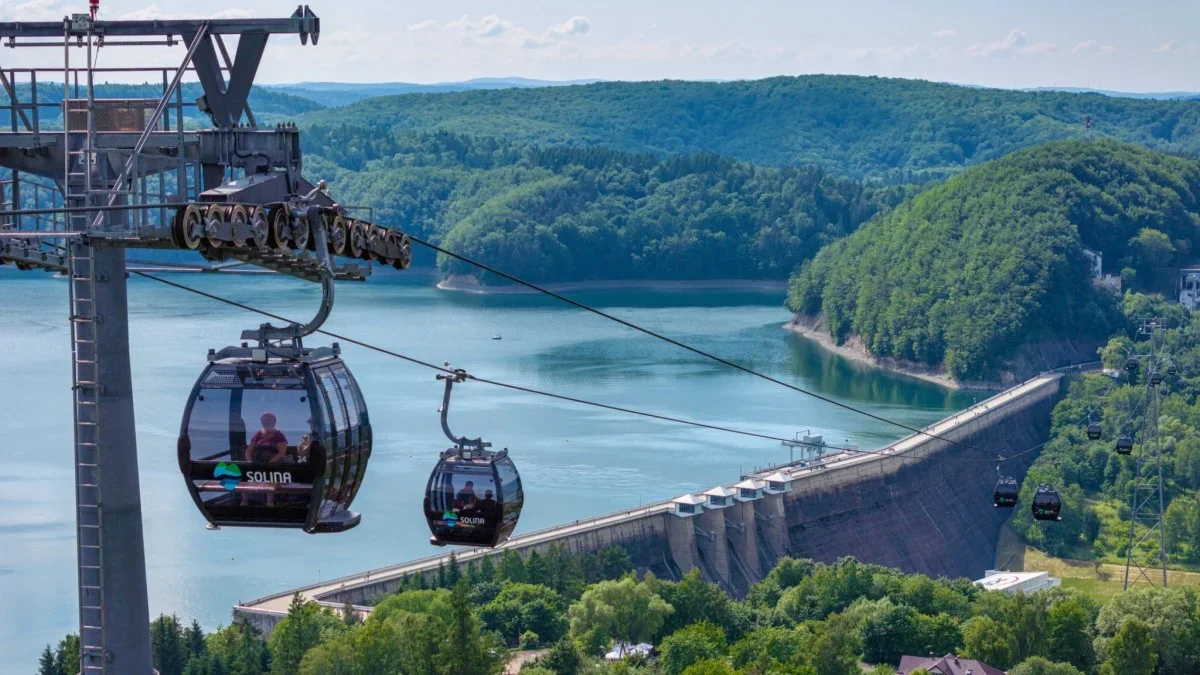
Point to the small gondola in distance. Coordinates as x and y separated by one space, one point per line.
474 495
275 441
1047 505
1124 444
1094 433
1007 490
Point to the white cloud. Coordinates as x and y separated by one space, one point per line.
34 10
1092 47
1168 47
1016 42
944 33
489 26
576 25
150 12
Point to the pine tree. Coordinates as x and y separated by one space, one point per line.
349 616
452 572
167 645
193 639
487 569
46 665
66 656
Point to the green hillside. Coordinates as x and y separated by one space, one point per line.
852 126
578 214
1096 482
970 271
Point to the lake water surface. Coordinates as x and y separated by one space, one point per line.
575 461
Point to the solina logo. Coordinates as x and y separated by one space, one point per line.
449 519
229 474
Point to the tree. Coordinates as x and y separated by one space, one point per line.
563 658
835 648
625 610
696 600
709 667
1070 640
512 567
46 665
889 632
1173 615
988 640
1132 650
238 649
768 648
66 656
298 632
1028 619
525 607
170 652
1040 666
696 642
193 640
464 650
939 634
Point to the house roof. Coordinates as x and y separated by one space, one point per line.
689 499
720 491
947 665
779 477
751 484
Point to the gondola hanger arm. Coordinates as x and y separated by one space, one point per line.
459 375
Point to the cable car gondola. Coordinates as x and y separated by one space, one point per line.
1172 370
474 494
1132 364
277 435
1156 378
1047 505
1125 444
1006 492
1093 432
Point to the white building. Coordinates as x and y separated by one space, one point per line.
687 506
1096 259
1189 288
719 497
1011 582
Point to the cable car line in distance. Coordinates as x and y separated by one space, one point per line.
571 399
677 343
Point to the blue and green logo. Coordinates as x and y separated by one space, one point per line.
449 519
229 474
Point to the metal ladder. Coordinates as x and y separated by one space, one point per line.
77 183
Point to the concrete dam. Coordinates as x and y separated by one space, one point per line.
922 504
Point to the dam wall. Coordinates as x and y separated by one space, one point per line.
922 504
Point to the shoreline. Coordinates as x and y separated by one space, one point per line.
468 284
814 330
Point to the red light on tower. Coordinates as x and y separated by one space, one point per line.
93 5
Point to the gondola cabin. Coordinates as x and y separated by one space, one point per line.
271 441
1047 505
1093 432
1132 364
1156 378
1125 444
1172 370
1006 492
473 498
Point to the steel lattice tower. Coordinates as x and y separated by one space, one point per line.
1147 551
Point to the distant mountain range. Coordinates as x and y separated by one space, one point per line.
1155 95
335 94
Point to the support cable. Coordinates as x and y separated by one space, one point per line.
572 399
677 343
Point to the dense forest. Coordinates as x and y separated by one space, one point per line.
861 127
1096 480
269 105
804 618
968 272
570 214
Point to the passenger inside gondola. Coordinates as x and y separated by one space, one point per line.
310 447
268 445
465 499
486 506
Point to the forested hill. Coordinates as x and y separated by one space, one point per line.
969 272
581 214
859 127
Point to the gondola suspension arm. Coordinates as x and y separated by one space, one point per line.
295 332
461 442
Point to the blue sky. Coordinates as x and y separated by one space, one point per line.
1150 45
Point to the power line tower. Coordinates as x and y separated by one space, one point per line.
91 176
1147 550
